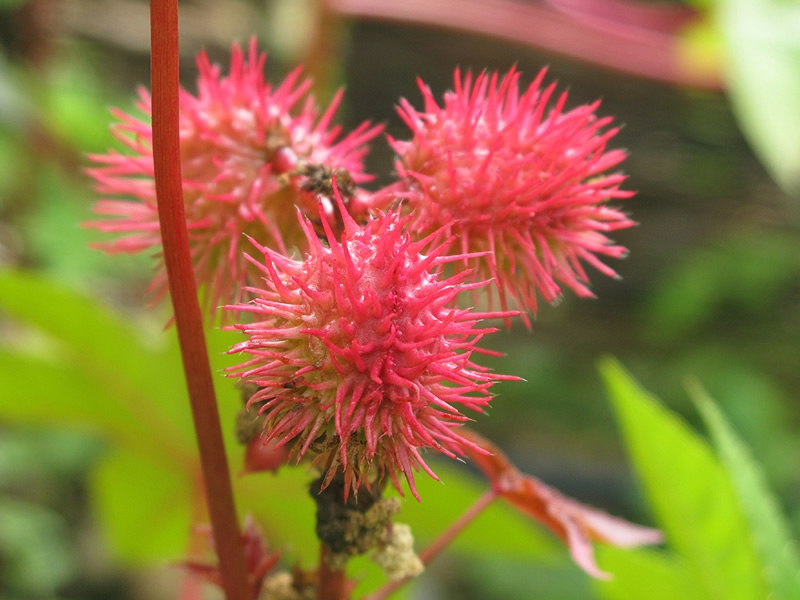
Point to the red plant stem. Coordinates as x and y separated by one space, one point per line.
440 543
446 538
622 46
331 585
183 291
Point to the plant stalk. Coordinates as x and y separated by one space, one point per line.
183 291
331 585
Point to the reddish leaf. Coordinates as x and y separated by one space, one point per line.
575 523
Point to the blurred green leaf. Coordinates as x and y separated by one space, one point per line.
762 52
229 395
70 397
734 375
770 531
369 577
75 102
749 271
690 493
282 507
495 576
499 530
59 242
16 108
28 454
146 505
642 573
110 380
15 164
35 551
282 504
143 385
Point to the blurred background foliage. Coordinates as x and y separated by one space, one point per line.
93 426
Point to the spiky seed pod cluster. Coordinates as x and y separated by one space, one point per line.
246 149
359 352
523 183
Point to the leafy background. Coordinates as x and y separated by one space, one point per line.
98 476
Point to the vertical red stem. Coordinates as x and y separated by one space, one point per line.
183 290
331 585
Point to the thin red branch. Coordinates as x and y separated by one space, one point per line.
447 537
440 543
624 46
183 290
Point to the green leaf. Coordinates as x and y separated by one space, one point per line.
58 242
282 505
490 575
690 493
750 270
75 100
103 374
32 454
36 550
145 506
770 531
498 530
143 383
70 397
762 46
644 573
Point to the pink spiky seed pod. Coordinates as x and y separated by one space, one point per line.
249 152
358 353
525 185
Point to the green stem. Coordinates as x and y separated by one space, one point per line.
183 291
